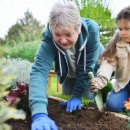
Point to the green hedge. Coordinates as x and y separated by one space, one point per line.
24 51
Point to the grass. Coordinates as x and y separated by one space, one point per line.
52 91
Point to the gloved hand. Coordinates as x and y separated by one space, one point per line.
72 104
98 83
41 121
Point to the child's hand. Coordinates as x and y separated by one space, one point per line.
98 83
95 85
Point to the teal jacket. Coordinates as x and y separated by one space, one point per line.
88 51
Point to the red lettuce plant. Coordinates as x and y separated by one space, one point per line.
20 86
21 92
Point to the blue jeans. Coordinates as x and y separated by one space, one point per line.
67 88
115 101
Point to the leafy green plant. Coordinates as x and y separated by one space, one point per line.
19 85
25 29
6 111
99 11
24 50
106 90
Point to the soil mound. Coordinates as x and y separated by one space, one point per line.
85 119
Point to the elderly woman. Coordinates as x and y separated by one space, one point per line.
73 45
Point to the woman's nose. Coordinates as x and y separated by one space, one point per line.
63 40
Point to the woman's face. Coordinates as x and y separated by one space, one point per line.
124 29
65 37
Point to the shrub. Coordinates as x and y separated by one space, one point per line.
6 111
20 84
24 51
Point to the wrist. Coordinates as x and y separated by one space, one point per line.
35 116
74 97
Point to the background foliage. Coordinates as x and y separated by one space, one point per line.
23 38
6 111
99 11
26 29
24 50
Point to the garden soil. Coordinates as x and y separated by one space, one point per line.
85 119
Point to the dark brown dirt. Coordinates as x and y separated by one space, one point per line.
19 124
85 119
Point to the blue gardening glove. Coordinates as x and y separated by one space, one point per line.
41 121
72 104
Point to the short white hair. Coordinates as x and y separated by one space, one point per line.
65 14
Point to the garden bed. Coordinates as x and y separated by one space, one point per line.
85 119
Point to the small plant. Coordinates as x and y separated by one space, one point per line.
22 68
127 105
127 109
20 84
6 111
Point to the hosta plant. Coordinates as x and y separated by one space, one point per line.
6 111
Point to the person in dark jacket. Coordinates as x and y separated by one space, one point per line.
72 43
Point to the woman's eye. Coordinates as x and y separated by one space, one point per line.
68 35
57 35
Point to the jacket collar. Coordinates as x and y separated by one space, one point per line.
123 44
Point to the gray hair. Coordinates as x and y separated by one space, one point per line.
65 14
